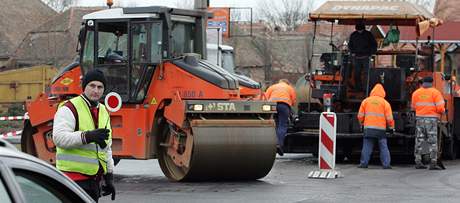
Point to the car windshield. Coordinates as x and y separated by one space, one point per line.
4 197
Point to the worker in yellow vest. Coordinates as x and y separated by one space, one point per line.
83 138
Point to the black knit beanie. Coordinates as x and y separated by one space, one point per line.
93 75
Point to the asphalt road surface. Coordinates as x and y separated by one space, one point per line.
142 181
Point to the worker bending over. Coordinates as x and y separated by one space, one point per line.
284 95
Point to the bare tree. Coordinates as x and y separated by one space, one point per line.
447 10
185 4
60 5
285 14
236 15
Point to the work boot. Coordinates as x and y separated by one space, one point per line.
434 167
420 166
441 165
362 166
279 151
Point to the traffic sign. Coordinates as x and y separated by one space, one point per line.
113 101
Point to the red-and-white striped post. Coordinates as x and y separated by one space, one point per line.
326 151
327 134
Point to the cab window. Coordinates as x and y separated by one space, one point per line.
146 54
88 49
112 56
183 38
112 43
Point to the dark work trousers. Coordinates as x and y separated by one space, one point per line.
282 121
361 64
426 136
92 187
370 136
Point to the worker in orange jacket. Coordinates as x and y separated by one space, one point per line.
284 95
428 104
376 116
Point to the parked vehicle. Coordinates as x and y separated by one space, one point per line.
224 56
19 85
24 178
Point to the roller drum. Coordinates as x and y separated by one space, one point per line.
227 150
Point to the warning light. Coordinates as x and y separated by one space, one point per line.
109 3
113 101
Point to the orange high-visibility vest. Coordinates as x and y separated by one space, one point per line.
281 92
375 112
428 102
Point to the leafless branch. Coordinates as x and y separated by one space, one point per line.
60 5
185 4
284 14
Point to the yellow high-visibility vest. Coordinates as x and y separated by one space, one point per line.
86 158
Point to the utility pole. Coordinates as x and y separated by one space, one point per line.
201 4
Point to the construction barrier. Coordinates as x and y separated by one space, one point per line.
12 137
326 151
15 136
11 134
11 118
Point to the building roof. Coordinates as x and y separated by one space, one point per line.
448 10
5 45
17 17
53 42
447 33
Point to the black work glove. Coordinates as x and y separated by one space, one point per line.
391 131
98 136
108 187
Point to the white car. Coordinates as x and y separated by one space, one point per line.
24 178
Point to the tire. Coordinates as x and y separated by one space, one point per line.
27 141
340 158
116 161
315 154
